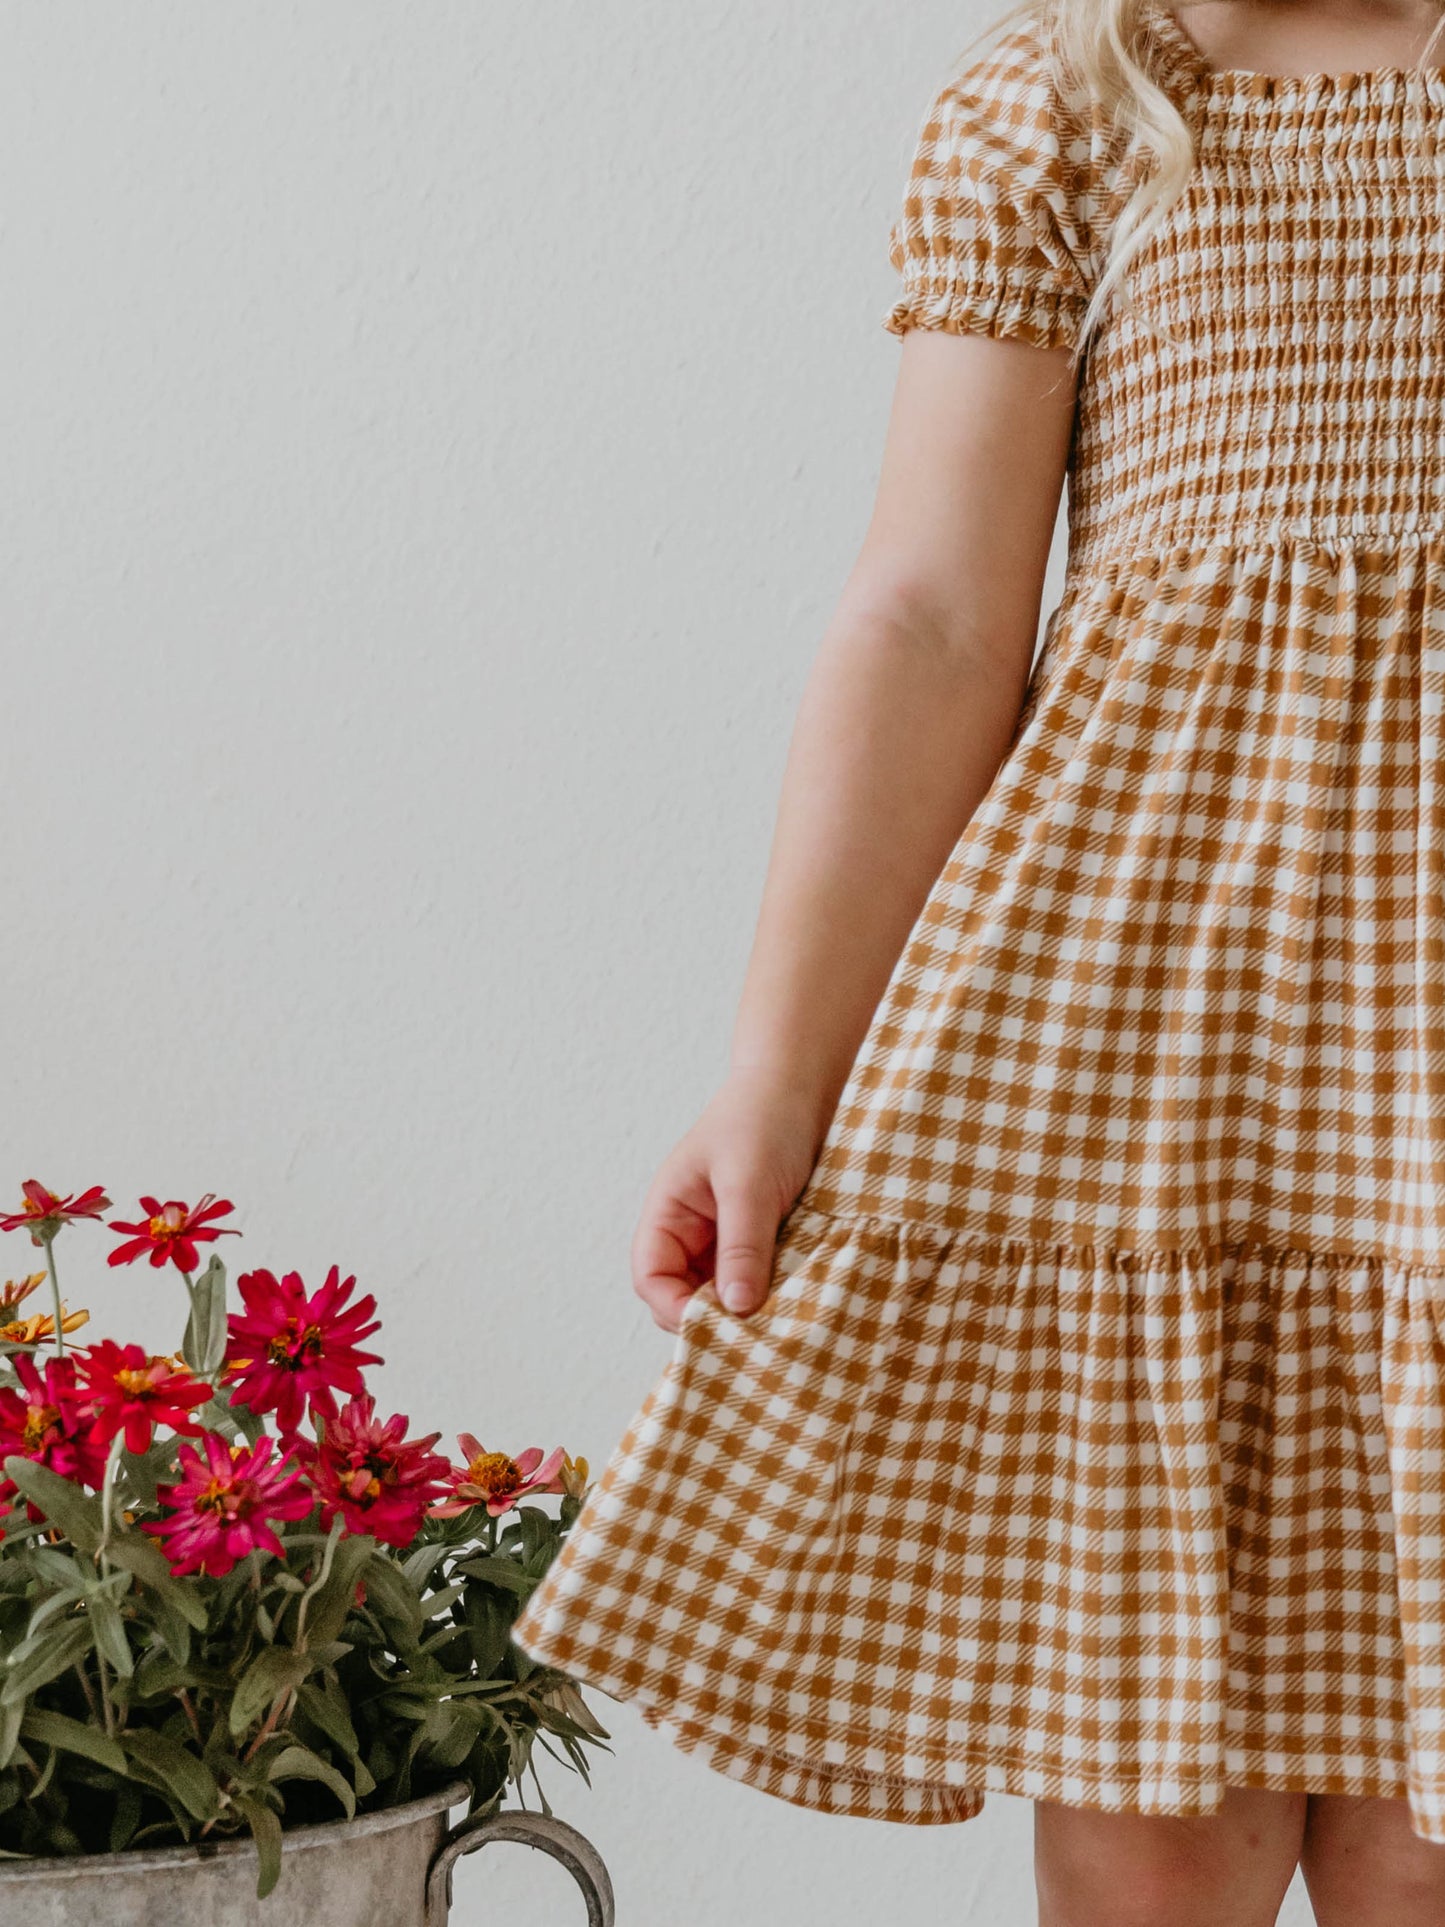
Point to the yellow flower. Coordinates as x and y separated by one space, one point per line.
17 1290
573 1475
40 1329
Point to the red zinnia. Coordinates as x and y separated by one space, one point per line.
173 1231
47 1420
44 1212
220 1505
129 1390
287 1350
380 1481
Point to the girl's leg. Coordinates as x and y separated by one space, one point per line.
1231 1868
1365 1867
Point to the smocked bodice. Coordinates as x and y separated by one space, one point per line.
1302 275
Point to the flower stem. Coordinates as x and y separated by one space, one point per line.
55 1294
107 1495
105 1705
107 1491
317 1583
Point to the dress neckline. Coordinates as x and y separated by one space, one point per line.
1248 83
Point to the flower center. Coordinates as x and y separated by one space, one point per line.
137 1383
38 1421
162 1228
294 1345
494 1472
227 1498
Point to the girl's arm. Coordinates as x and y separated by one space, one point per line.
907 713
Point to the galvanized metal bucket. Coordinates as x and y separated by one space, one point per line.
390 1869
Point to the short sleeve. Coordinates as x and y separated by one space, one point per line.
994 235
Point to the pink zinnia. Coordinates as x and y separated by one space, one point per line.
128 1390
380 1481
46 1420
44 1212
288 1350
221 1503
173 1231
496 1481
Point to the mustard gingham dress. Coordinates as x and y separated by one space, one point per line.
1091 1445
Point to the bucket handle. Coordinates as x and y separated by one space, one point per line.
541 1830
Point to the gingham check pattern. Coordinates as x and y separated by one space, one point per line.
1091 1445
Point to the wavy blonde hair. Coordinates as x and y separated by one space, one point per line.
1099 52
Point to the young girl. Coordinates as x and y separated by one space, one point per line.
1065 1413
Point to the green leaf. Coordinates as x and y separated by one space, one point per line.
58 1569
174 1629
387 1591
76 1514
73 1736
110 1636
563 1700
437 1605
163 1763
144 1472
538 1533
127 1816
300 1763
452 1732
331 1604
204 1345
266 1832
489 1627
325 1706
271 1673
141 1556
11 1718
43 1658
496 1571
158 1676
420 1564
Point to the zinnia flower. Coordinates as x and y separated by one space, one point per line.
128 1390
15 1291
44 1212
173 1231
39 1328
46 1420
287 1350
380 1481
220 1505
496 1481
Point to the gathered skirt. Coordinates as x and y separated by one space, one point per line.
1091 1443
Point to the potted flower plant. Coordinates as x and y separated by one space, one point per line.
253 1635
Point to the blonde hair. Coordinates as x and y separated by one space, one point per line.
1099 53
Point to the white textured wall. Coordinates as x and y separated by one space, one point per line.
434 435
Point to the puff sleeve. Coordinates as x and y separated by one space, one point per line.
994 233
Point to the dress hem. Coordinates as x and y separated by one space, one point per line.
910 1799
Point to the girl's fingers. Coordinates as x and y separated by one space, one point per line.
747 1227
669 1240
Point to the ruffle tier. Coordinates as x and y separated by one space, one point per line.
1111 1527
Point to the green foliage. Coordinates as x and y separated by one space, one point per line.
141 1708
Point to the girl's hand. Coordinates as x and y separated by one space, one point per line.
713 1209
